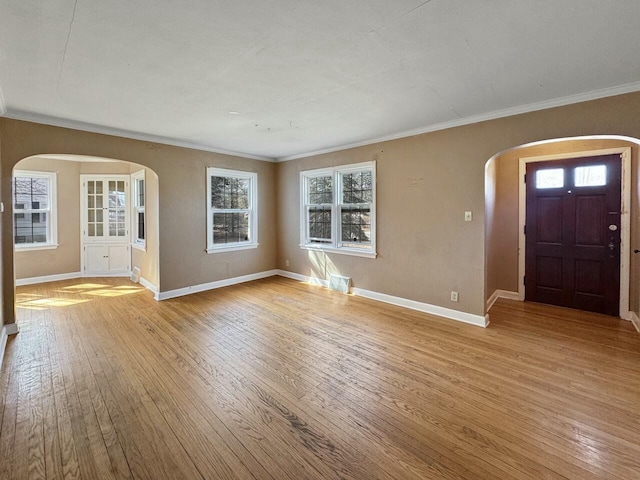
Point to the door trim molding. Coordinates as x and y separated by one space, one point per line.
625 215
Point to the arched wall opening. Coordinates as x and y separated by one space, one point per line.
61 256
504 211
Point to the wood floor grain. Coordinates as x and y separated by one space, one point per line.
276 379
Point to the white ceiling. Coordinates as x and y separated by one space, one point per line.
306 75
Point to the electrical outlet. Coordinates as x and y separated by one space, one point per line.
468 216
454 296
286 262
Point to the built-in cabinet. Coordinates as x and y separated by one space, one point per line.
105 224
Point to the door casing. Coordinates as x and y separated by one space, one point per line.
625 217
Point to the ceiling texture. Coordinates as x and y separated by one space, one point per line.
279 79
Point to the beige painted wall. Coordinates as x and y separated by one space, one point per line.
182 212
425 183
66 258
502 231
147 261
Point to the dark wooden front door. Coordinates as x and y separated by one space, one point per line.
573 233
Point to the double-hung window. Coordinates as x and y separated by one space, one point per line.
139 216
34 210
232 210
338 209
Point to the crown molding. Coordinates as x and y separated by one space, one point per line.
93 128
506 112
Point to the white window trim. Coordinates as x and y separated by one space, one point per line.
336 245
135 241
253 211
52 226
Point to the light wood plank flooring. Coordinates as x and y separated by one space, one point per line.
276 379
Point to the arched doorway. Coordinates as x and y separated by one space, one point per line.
505 211
68 207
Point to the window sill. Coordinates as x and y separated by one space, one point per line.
232 248
342 251
33 247
139 246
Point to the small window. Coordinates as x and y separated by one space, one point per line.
590 176
232 218
34 209
338 209
139 214
550 178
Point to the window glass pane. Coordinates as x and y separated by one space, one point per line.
357 187
320 190
590 176
319 219
140 193
230 227
30 228
141 226
356 225
227 192
550 178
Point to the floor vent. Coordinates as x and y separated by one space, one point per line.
339 283
135 275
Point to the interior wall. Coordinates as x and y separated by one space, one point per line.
425 183
503 234
182 208
147 260
65 258
490 227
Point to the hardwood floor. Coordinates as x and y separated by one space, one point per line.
276 379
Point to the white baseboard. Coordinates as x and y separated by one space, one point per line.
501 294
149 286
303 278
635 320
9 329
213 285
478 320
48 278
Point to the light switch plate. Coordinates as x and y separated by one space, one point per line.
468 216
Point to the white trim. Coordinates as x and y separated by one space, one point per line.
233 247
501 294
9 329
341 251
303 278
35 246
506 112
336 245
47 278
3 342
179 292
252 210
145 137
625 215
136 209
478 320
635 320
149 286
118 274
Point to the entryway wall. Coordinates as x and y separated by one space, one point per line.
66 258
502 231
